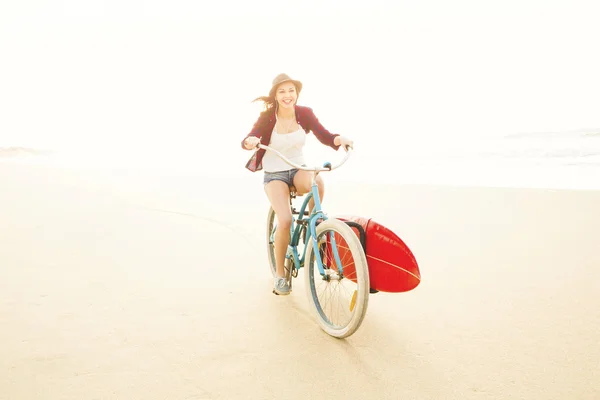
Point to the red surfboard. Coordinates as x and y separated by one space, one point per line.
392 266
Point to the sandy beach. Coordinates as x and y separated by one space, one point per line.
131 286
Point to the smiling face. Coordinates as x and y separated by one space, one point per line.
286 95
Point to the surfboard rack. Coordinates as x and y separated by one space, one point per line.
362 235
361 231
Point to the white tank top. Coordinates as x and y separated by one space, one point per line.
288 144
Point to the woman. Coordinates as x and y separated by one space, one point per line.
283 125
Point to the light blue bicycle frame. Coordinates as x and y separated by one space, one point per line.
311 234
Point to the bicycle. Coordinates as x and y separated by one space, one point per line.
334 257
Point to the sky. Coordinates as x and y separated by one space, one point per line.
178 77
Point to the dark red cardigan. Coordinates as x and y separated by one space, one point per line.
263 128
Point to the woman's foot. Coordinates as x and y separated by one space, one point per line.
281 286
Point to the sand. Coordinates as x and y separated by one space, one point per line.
123 285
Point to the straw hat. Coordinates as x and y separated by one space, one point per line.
279 79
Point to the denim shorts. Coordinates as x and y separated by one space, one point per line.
285 176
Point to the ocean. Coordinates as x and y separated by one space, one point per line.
565 160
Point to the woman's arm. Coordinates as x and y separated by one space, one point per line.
255 132
322 134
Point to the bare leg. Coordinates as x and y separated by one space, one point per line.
303 184
278 193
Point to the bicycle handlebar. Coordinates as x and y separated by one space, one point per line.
326 167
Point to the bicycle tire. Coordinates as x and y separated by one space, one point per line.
270 239
355 278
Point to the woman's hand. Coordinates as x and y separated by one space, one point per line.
251 142
344 142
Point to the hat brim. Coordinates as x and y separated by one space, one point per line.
298 85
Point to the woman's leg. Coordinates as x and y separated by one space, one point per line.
278 193
303 184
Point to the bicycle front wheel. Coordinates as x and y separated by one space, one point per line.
338 297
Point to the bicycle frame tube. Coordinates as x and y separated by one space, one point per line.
316 213
296 229
312 228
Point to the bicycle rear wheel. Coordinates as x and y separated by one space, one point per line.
339 300
270 239
271 229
